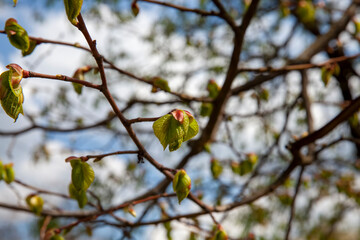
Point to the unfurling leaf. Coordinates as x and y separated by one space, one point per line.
73 8
175 128
357 26
11 95
325 75
79 196
130 210
8 173
248 164
213 88
1 170
206 109
220 234
135 8
17 35
328 71
35 203
80 74
31 48
216 168
56 237
181 185
82 174
161 84
306 11
264 94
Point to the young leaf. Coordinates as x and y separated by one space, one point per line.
73 8
216 168
31 48
1 170
161 127
306 11
220 234
325 75
35 203
8 173
135 8
175 128
181 185
79 196
213 88
11 95
79 74
161 83
82 175
56 237
206 109
193 129
17 35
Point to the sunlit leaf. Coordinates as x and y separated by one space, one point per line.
17 35
73 8
162 84
181 185
35 203
82 175
80 196
216 168
8 173
31 48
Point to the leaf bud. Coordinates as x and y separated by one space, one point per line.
35 203
181 185
17 35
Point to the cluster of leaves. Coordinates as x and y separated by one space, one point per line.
175 128
82 175
213 90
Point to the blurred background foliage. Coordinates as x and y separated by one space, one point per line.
188 50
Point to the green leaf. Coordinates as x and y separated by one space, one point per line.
11 95
80 74
1 170
8 173
73 8
175 128
161 127
162 84
213 88
35 203
15 2
181 185
31 48
216 168
325 75
206 109
220 234
82 175
193 130
80 196
306 11
57 237
17 35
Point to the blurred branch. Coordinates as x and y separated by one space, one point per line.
181 8
292 208
298 66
